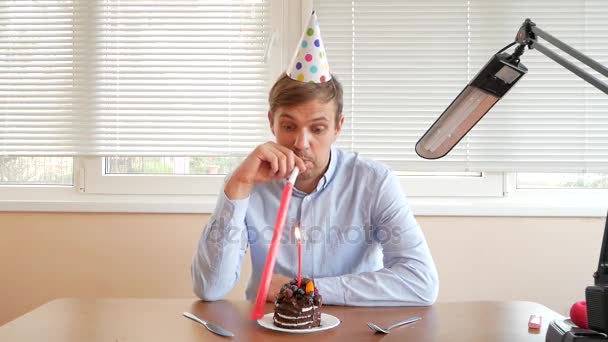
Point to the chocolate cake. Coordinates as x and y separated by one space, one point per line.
298 308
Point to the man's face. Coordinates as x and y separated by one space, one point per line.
308 129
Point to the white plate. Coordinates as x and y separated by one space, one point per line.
327 322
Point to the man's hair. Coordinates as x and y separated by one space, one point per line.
288 92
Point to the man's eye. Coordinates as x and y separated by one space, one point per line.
318 129
288 127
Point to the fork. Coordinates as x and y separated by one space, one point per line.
378 329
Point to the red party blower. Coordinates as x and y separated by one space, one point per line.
258 309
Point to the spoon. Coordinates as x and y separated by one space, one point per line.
387 330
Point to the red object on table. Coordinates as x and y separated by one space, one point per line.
258 309
535 321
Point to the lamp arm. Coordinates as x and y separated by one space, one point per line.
571 51
575 69
528 34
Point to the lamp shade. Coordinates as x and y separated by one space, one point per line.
491 83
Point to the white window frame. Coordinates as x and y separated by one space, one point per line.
97 182
553 202
511 202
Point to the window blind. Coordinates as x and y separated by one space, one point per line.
134 77
37 65
403 62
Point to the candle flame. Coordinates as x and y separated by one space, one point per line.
296 231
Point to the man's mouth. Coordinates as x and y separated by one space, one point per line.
305 159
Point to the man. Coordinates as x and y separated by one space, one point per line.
362 244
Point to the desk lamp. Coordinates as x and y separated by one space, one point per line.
492 82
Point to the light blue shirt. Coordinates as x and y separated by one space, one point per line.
361 242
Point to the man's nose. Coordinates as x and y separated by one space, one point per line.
302 140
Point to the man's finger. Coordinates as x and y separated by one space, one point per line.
300 164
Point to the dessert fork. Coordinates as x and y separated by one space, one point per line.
378 329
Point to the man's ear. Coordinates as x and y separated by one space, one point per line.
339 127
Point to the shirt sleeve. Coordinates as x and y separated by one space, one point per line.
409 276
217 263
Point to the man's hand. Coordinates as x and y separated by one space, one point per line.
276 282
267 162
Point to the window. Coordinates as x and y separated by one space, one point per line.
562 180
166 89
36 92
126 97
402 63
185 81
36 171
171 165
132 78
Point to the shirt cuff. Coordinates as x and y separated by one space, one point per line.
232 212
332 290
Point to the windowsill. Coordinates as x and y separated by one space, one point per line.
524 204
59 199
508 206
119 205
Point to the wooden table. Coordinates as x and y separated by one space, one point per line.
149 320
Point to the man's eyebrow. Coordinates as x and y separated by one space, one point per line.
287 116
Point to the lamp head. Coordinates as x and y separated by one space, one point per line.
491 83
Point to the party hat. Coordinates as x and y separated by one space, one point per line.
309 62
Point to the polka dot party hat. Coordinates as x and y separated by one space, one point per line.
309 62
